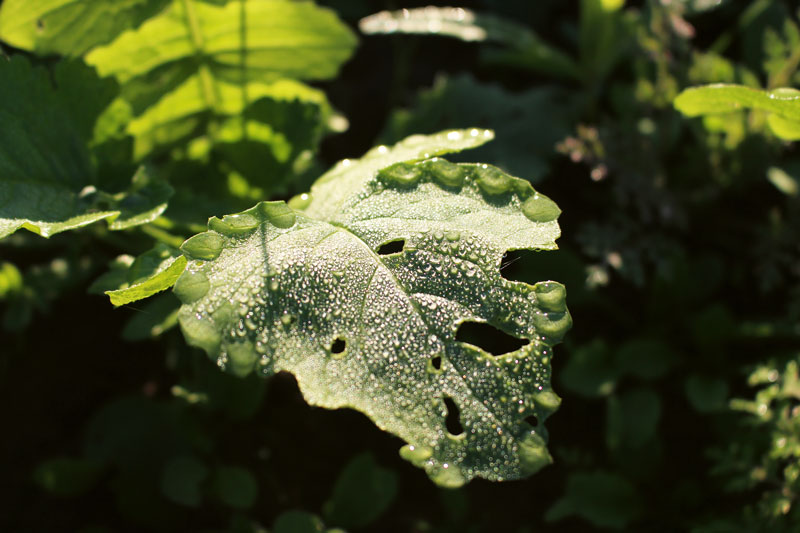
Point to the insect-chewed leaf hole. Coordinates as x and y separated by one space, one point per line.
453 420
392 247
489 338
436 362
532 420
338 345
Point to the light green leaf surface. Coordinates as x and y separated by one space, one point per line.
46 177
151 273
273 289
68 27
11 282
207 71
786 129
185 112
783 104
270 40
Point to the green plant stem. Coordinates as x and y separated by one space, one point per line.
162 236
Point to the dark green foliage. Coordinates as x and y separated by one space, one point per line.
679 379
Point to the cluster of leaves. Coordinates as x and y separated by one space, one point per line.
664 129
676 216
202 102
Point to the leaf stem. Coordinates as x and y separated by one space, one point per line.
162 236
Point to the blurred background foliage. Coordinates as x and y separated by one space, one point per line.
680 252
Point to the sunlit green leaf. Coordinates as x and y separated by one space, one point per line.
10 280
270 40
787 129
185 112
46 177
68 27
152 272
199 71
783 103
311 292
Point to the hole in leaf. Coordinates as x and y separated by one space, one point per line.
489 338
391 247
338 346
40 25
453 420
532 267
532 420
436 362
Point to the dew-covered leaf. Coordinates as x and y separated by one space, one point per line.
67 27
361 295
47 181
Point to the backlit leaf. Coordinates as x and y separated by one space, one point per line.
47 181
313 291
68 27
782 103
163 276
